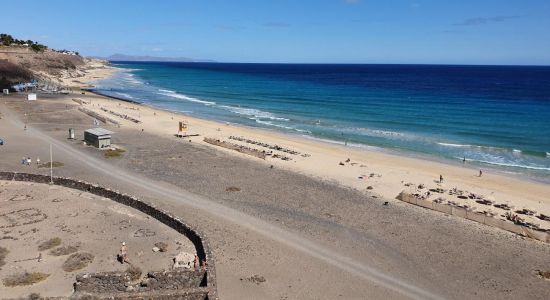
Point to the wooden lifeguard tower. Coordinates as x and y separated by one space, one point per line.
182 130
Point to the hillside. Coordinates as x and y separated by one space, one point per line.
20 63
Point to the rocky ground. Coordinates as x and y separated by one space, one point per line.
60 232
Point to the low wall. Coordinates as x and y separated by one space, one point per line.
198 240
475 216
192 294
117 282
95 115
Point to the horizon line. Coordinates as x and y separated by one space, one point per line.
327 63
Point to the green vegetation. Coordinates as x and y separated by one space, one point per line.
114 153
54 242
8 40
3 254
77 261
25 279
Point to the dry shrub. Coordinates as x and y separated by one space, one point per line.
163 247
77 261
65 250
53 242
55 164
232 189
135 272
114 153
544 274
3 254
25 279
34 296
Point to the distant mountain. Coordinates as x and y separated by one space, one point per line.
124 57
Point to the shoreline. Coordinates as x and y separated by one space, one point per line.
306 215
530 165
358 147
383 172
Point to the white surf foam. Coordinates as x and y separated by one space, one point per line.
124 95
186 98
252 112
454 145
511 165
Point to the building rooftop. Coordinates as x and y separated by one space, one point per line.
98 131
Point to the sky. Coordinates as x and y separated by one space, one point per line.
510 32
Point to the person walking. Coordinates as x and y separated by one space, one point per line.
38 161
440 178
124 253
29 161
480 173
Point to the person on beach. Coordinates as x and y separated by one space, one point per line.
480 173
464 160
196 263
23 161
38 160
440 178
29 161
123 253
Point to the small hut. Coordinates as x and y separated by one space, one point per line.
99 137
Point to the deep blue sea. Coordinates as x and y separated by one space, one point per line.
497 116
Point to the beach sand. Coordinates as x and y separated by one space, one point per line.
309 225
384 174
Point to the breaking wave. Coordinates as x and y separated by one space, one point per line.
252 112
186 98
512 165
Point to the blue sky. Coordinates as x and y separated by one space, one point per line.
322 31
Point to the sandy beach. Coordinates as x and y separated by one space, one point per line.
376 171
311 215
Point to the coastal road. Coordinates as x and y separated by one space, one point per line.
292 240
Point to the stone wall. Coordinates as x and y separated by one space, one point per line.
177 279
117 282
208 280
477 217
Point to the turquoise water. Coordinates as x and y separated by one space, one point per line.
493 116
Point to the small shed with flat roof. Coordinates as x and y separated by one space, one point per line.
99 137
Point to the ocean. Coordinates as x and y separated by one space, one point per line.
493 116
